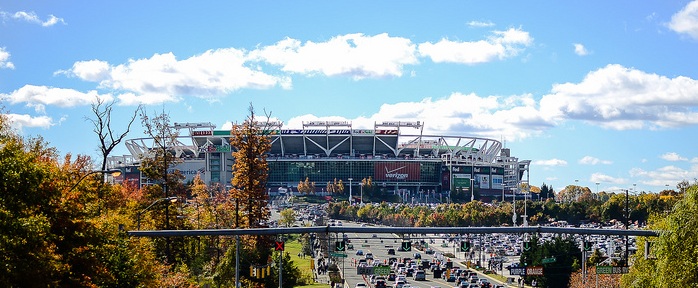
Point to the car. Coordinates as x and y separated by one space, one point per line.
484 283
417 256
359 252
380 284
391 277
429 251
399 284
451 278
369 255
360 285
391 251
374 236
420 275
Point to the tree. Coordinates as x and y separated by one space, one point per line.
306 186
675 250
568 259
250 169
577 280
287 217
51 237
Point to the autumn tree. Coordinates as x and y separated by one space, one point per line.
577 280
674 253
336 187
306 186
51 236
248 194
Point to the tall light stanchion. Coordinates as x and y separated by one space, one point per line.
281 266
597 190
350 179
627 224
513 200
362 193
472 190
237 246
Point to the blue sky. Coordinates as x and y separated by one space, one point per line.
594 91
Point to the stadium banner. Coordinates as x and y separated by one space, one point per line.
497 181
396 171
460 169
461 181
484 180
189 169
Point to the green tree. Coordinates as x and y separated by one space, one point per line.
287 217
675 251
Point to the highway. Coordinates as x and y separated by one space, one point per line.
378 244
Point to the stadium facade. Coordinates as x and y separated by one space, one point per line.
397 156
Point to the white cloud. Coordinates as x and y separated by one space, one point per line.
513 117
602 178
19 121
480 24
354 55
589 160
686 20
550 162
580 50
665 175
622 98
503 44
673 156
4 59
31 17
694 160
164 78
40 96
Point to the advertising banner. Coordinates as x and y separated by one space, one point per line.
484 181
396 171
461 181
189 169
497 181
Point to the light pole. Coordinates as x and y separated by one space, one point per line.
138 216
597 190
362 193
350 179
472 190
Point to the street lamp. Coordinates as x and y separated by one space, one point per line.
113 172
350 179
172 199
472 190
362 193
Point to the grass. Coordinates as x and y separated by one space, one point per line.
293 248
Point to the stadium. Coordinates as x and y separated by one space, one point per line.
397 157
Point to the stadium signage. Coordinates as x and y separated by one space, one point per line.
201 133
394 175
396 171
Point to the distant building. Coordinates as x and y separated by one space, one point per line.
395 155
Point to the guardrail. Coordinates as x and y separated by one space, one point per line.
396 230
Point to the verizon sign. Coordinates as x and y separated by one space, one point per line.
396 171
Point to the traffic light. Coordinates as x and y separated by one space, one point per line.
340 246
406 246
279 246
587 246
464 246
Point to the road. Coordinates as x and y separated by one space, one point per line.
378 244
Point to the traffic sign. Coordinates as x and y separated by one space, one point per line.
464 246
521 271
612 269
340 246
587 246
381 270
406 246
527 245
279 246
534 271
338 255
549 260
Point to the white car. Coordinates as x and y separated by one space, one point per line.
360 285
